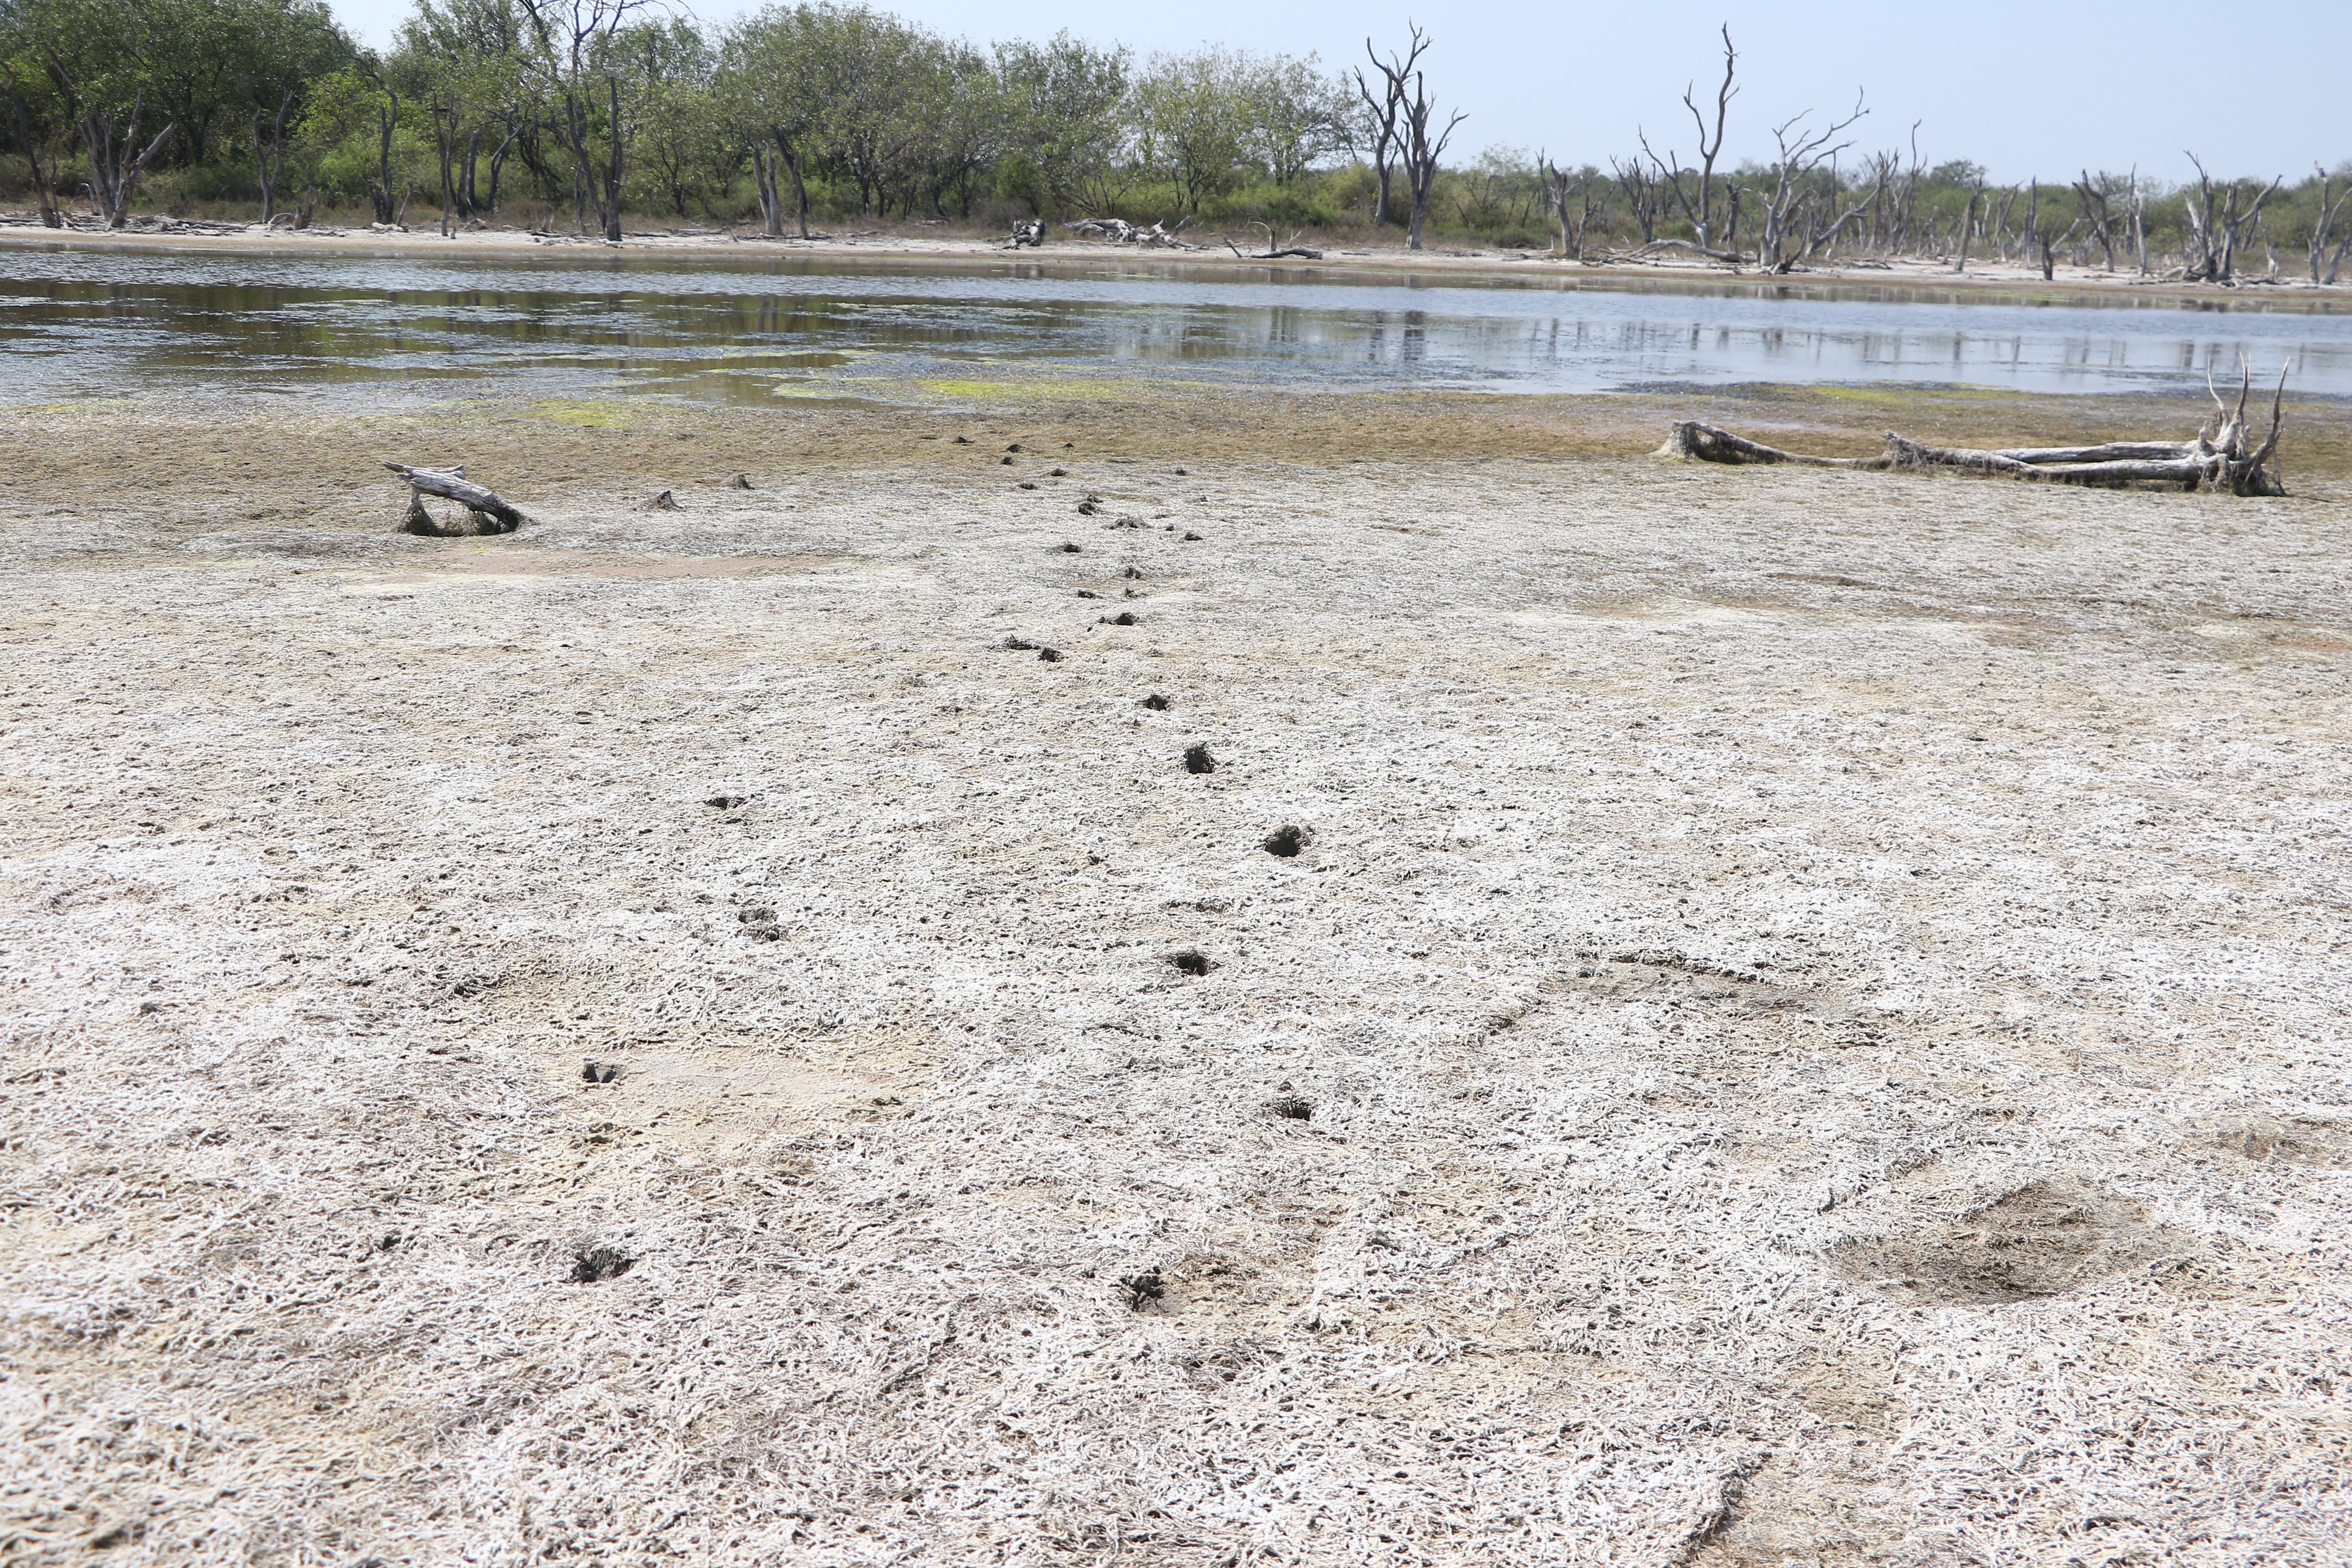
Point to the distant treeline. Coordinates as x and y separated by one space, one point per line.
576 113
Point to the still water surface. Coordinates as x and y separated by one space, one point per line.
752 327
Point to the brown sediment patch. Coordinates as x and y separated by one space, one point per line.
2044 1239
2327 1145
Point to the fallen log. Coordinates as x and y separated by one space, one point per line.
2186 469
2222 456
1273 252
1732 257
487 512
1705 444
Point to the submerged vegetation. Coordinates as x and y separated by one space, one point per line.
578 114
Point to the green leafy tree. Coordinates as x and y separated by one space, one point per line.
684 149
1191 121
37 125
583 72
464 63
1064 124
776 92
100 56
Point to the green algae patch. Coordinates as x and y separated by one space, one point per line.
585 414
1070 389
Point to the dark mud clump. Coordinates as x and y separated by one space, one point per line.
1287 841
602 1263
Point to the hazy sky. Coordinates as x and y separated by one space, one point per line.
2027 89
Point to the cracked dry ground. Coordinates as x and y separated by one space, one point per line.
1803 1026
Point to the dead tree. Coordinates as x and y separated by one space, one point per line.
1701 213
1641 188
485 512
1560 187
1801 152
2323 225
1814 236
2095 197
269 155
1968 223
1384 107
2214 236
2050 249
2223 455
1416 148
2138 223
1890 195
116 162
1905 204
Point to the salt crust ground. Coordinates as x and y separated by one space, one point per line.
1819 998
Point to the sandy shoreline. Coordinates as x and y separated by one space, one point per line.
1808 1027
1990 277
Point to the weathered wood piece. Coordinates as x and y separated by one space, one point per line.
1705 444
2186 469
1119 231
487 512
1273 252
2224 455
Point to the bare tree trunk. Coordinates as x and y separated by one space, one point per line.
269 164
2322 223
114 173
42 179
2050 250
2139 223
764 178
388 119
610 203
498 166
1384 109
1409 88
1559 185
792 163
1701 214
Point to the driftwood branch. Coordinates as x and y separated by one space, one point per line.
1705 444
2222 456
1736 258
1119 231
489 512
1273 252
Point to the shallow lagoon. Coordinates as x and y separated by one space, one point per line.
751 326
